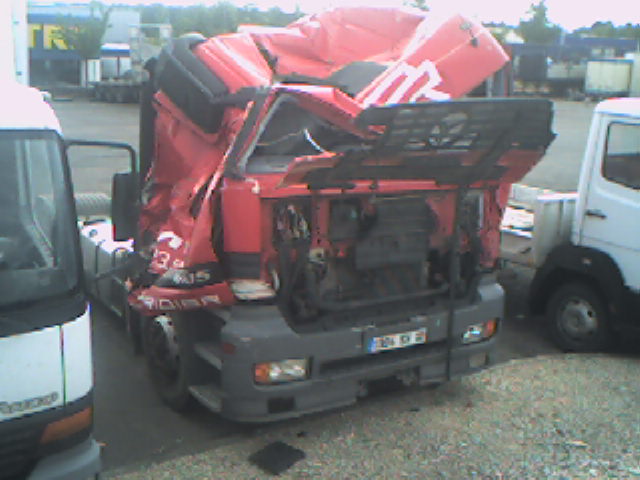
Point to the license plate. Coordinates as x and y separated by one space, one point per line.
397 340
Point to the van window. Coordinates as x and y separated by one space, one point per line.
621 162
37 230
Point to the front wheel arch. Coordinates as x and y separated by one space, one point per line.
172 367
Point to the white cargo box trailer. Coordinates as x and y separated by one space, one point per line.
614 77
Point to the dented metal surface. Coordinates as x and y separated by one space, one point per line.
277 174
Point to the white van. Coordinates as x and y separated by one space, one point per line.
46 371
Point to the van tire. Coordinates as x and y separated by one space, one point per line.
579 319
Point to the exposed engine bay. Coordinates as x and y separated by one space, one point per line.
353 253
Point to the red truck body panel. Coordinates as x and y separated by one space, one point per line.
201 198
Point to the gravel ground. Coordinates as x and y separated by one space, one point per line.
552 417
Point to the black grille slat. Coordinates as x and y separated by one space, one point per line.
354 364
452 143
18 452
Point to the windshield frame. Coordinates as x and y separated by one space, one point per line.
65 270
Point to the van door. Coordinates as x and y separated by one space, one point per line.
611 217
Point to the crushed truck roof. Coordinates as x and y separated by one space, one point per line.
350 101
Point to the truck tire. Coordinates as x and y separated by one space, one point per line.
109 95
170 357
120 95
133 323
579 319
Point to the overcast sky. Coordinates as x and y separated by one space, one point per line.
571 14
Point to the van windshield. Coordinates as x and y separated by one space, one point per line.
37 243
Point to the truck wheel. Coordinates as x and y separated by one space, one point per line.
120 95
168 348
133 323
109 95
579 319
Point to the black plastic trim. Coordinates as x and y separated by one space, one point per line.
42 314
193 87
233 169
433 141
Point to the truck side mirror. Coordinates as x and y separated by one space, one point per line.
124 205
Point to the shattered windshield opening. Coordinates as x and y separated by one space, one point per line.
292 132
37 254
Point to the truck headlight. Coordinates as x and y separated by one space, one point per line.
480 331
290 370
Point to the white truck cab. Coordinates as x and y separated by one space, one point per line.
608 206
586 246
46 372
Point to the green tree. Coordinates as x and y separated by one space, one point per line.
156 13
537 28
222 17
603 29
630 31
85 36
609 30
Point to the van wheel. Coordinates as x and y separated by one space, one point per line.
168 348
579 319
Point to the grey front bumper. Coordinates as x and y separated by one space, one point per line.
80 462
340 366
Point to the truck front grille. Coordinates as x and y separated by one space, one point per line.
382 359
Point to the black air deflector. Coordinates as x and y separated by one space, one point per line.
193 87
461 125
453 142
355 76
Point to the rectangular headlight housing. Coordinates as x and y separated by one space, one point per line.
283 371
480 331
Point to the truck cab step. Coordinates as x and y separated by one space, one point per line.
210 352
208 395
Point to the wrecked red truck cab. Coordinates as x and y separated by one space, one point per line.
304 232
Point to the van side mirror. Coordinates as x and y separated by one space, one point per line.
125 189
124 205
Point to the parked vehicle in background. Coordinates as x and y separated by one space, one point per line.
615 77
584 245
145 42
